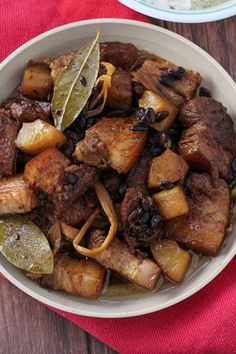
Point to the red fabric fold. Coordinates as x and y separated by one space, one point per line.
204 323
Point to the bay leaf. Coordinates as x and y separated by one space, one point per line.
24 245
74 85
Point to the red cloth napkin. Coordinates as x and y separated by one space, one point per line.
204 323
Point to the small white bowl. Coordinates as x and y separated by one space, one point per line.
162 11
168 45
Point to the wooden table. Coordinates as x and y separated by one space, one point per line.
27 326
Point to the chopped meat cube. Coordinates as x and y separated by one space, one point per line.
77 277
120 93
25 110
118 257
204 228
16 196
111 181
45 172
77 180
139 173
167 167
8 133
159 76
111 142
122 55
75 213
208 142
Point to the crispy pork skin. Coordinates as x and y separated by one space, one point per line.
118 257
208 141
204 228
8 133
76 277
111 142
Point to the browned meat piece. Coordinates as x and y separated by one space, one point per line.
75 213
120 93
16 196
141 222
172 82
204 228
117 257
77 277
111 181
58 64
122 55
77 180
139 173
8 134
208 142
111 142
45 172
25 110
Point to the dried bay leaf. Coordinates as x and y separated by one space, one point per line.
24 245
74 85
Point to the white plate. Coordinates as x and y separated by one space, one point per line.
168 45
163 12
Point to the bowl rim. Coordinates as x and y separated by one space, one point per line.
179 297
188 16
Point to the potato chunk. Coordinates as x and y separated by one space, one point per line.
111 142
168 167
16 196
37 136
204 228
171 203
37 81
46 170
77 277
159 104
172 259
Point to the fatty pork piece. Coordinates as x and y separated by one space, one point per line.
203 229
111 142
118 257
76 277
50 173
26 110
8 133
75 213
16 196
120 93
208 141
140 219
174 83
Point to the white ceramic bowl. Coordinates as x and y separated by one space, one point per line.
158 9
168 45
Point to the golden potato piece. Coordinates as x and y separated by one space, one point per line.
172 259
204 228
46 170
37 136
37 81
168 167
171 203
159 104
16 196
111 142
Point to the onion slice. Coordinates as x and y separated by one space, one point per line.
108 208
54 236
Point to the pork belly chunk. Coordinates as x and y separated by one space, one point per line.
76 277
111 142
203 229
118 257
121 55
174 83
8 133
26 110
120 93
208 141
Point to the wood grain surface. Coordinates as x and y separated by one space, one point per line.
29 327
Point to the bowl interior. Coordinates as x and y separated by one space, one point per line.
162 43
